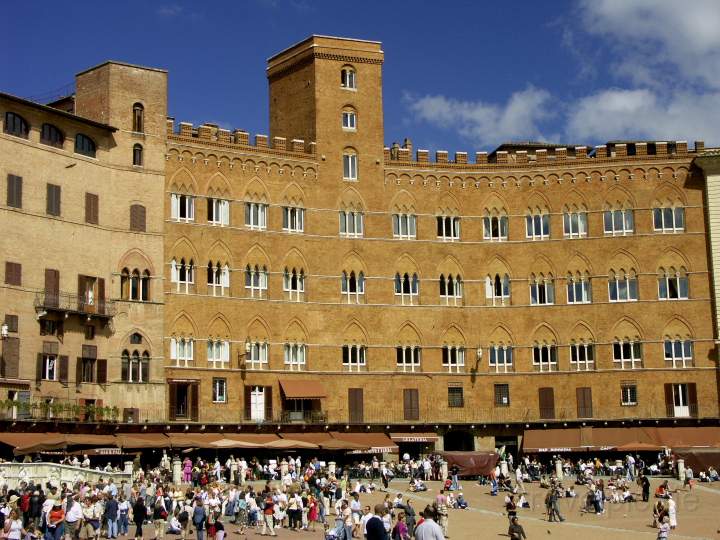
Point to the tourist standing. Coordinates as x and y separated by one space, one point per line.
672 512
428 529
139 515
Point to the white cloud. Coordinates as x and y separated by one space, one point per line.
486 123
643 114
169 10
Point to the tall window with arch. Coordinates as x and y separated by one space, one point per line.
352 287
294 284
182 351
182 207
295 356
669 218
673 284
218 353
582 355
622 286
349 119
578 288
678 352
545 357
575 224
354 357
256 215
407 288
138 118
16 125
453 358
501 358
407 358
350 164
182 274
257 356
451 290
618 221
84 145
135 367
137 155
448 228
497 290
351 223
135 285
52 136
537 224
627 354
542 290
404 226
348 78
495 226
256 281
293 219
218 279
218 212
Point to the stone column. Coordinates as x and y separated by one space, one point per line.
176 471
129 468
331 467
559 469
443 470
681 469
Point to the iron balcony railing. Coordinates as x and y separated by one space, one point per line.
75 303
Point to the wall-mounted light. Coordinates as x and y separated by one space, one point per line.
4 331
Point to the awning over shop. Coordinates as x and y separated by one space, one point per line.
23 439
82 439
471 463
552 440
143 440
313 438
414 437
305 389
289 444
376 443
193 440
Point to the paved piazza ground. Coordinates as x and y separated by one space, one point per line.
698 516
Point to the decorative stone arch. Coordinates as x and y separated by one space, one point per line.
673 257
623 259
409 334
147 342
403 202
219 327
183 247
351 200
668 195
498 265
501 335
183 181
136 258
627 329
258 330
219 187
355 333
541 264
582 333
352 261
653 174
677 328
450 266
257 255
293 195
494 204
575 201
617 197
448 205
579 263
406 263
256 191
543 334
668 174
538 202
295 332
220 252
454 336
184 325
294 259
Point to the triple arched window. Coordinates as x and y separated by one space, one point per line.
407 288
497 290
294 284
451 289
135 285
352 287
135 367
256 281
182 274
218 278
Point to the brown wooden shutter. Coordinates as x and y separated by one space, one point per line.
172 400
81 292
101 295
12 322
53 200
81 416
64 368
11 357
355 405
137 218
78 371
92 203
14 191
39 364
194 391
247 400
101 371
546 397
52 287
13 273
411 403
584 402
268 404
692 399
669 402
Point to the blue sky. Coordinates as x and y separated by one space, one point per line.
458 75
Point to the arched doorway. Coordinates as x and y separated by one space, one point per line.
459 440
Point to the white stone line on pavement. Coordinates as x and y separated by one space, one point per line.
566 523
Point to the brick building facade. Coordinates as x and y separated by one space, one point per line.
316 279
